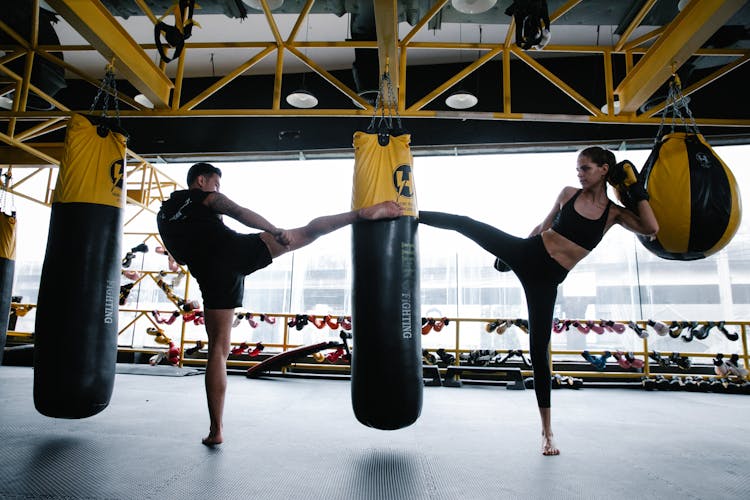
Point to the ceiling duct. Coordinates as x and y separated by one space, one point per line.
45 75
127 8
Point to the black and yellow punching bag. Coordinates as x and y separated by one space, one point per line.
75 344
694 196
7 271
386 356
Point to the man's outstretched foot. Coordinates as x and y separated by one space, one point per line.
383 210
548 446
212 440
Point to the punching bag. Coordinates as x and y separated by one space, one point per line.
75 345
694 196
7 270
386 355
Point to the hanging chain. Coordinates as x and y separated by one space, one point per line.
388 112
4 190
108 82
676 101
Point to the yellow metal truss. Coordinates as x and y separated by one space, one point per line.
651 59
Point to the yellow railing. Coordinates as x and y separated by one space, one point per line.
188 338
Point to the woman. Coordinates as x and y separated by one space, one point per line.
575 225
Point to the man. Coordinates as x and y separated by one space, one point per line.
190 224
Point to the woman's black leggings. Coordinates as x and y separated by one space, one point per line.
539 274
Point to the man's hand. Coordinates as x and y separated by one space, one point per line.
282 236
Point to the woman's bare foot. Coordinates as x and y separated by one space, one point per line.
383 210
548 446
212 440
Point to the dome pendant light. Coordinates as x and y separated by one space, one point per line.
255 4
302 99
461 100
473 6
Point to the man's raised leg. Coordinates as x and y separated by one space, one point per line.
301 236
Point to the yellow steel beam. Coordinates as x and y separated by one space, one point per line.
278 75
92 20
147 10
14 35
684 35
430 14
177 93
510 32
563 9
703 82
634 24
32 151
300 19
44 199
556 81
608 83
634 44
42 128
506 82
402 80
272 24
17 156
228 78
455 79
386 27
330 78
56 60
11 57
19 104
409 113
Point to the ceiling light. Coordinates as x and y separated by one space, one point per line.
681 4
272 4
6 103
461 100
473 6
615 106
144 101
302 99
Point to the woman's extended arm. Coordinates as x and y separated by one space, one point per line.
644 222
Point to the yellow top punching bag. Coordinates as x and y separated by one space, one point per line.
383 173
7 236
7 264
91 174
75 347
386 311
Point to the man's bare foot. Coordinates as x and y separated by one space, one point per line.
212 440
548 446
383 210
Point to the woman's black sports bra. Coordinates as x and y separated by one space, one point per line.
577 228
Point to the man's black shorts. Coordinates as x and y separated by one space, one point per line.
222 279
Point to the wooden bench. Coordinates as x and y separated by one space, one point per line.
431 376
511 375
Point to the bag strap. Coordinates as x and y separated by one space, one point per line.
176 35
529 15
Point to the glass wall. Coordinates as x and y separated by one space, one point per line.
619 280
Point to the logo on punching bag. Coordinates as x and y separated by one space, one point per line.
402 181
116 173
703 160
